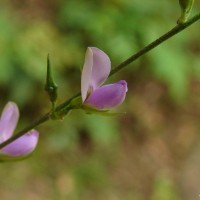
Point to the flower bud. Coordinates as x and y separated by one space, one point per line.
186 7
50 86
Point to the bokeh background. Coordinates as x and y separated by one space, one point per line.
150 153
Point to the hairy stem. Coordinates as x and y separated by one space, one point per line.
178 28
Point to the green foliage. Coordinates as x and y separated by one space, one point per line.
164 189
114 27
103 130
7 32
175 72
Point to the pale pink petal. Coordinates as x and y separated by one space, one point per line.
8 121
23 145
100 69
108 96
86 73
95 70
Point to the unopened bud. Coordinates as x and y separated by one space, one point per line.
186 7
50 85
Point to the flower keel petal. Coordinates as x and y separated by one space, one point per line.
23 145
108 96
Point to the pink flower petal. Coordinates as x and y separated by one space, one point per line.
108 96
101 68
86 73
8 121
23 145
95 70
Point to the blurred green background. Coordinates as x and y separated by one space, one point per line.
152 152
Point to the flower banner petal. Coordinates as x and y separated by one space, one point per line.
86 73
108 96
100 69
95 70
8 121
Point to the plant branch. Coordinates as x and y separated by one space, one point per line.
178 28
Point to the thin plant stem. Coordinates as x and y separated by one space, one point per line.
40 120
178 28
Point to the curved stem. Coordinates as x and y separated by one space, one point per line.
178 28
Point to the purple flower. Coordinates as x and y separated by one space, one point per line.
96 70
22 146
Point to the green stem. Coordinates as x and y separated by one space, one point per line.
178 28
